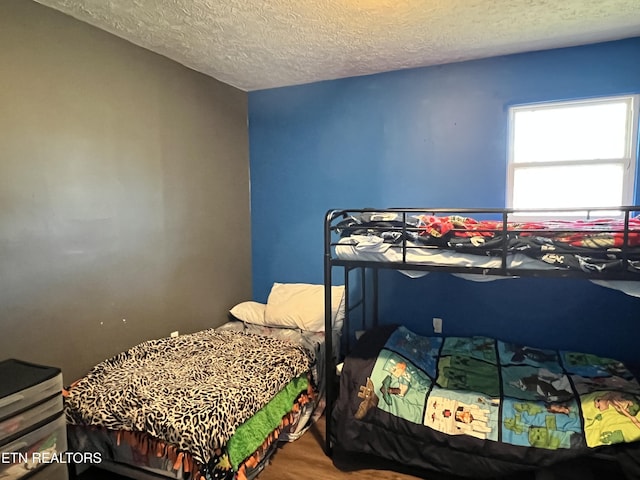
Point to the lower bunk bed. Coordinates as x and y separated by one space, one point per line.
478 407
209 405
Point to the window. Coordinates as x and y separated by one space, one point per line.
573 154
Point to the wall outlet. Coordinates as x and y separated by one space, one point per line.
437 325
175 334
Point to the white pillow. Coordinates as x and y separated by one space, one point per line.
249 312
301 305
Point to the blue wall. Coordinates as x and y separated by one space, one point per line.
433 136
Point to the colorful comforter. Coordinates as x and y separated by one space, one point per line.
480 407
192 391
591 246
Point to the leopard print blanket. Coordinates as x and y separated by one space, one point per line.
192 391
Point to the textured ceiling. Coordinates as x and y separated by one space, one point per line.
257 44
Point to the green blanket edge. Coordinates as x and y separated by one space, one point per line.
252 433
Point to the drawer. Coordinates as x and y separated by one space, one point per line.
34 450
23 385
23 421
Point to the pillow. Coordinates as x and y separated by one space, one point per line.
249 312
301 305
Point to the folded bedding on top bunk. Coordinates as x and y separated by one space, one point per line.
192 392
480 407
375 249
591 246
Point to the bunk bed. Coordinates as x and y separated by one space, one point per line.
412 399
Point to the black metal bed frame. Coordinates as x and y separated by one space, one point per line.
333 217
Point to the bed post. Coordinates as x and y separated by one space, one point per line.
329 367
376 287
625 241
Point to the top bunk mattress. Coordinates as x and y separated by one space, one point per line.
603 249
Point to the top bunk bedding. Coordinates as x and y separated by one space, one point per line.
485 244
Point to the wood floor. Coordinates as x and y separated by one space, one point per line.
305 458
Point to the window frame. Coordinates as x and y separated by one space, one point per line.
629 161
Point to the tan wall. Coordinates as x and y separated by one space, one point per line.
124 193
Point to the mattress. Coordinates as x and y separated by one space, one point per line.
191 394
246 453
482 408
592 247
313 342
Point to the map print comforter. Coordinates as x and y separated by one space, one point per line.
476 405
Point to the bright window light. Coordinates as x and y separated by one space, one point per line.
573 154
